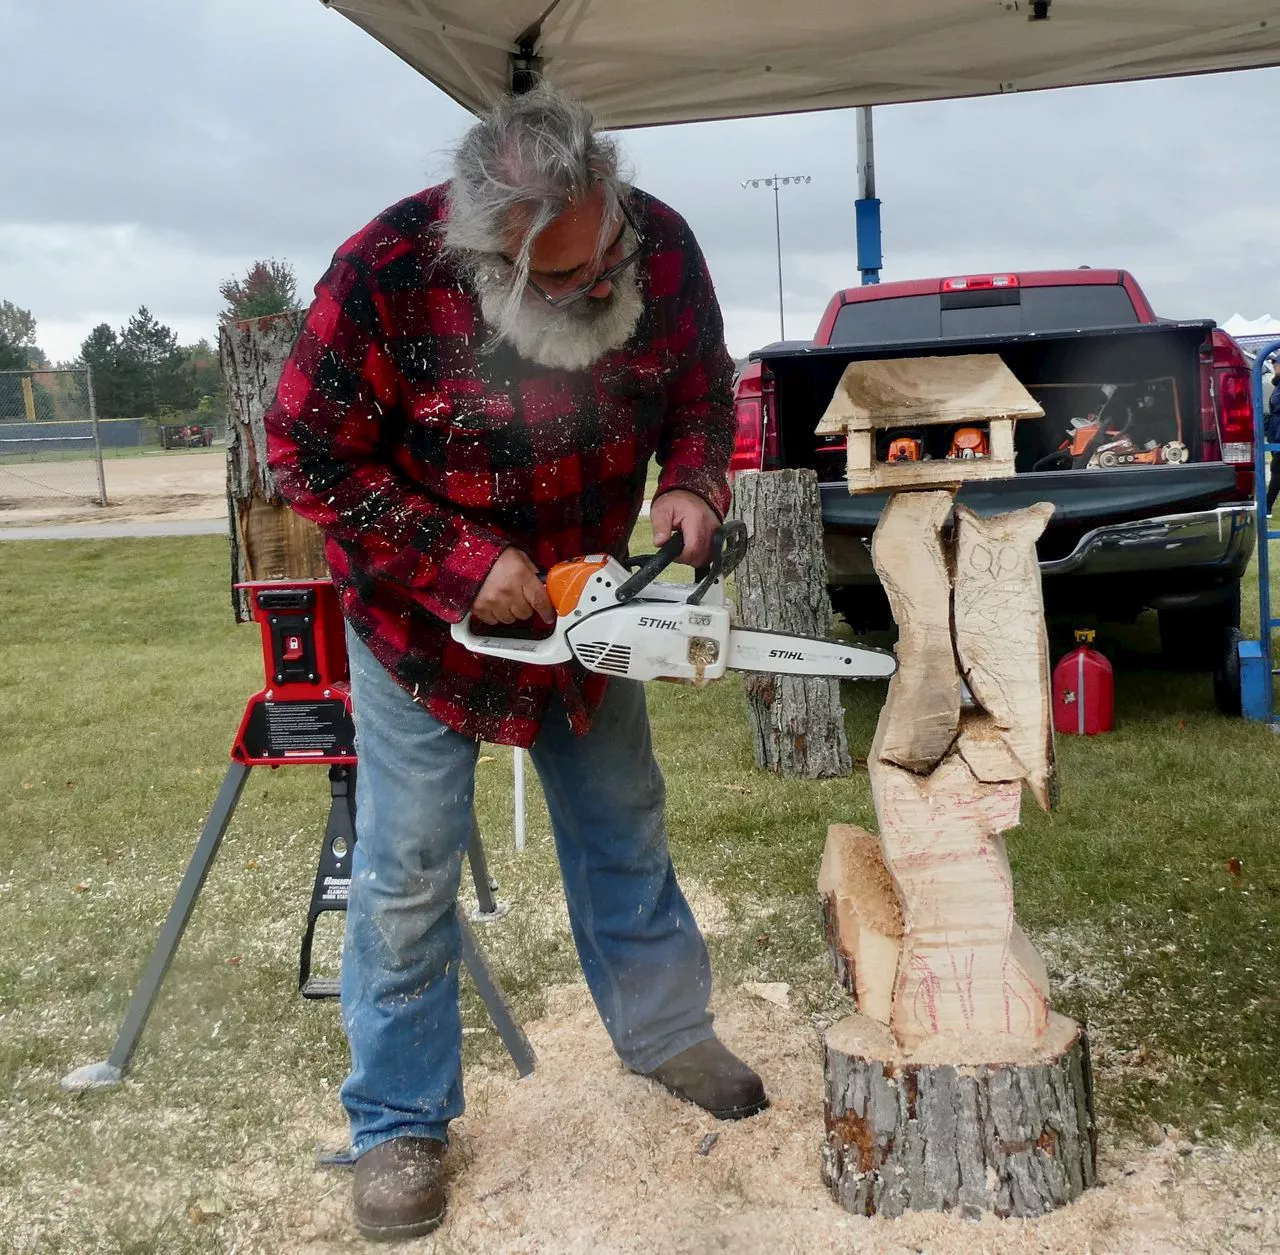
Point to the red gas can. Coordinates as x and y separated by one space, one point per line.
1083 691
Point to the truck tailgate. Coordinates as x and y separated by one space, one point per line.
1080 499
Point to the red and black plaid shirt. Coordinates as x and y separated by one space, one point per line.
422 454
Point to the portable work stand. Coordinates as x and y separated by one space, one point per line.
1257 658
302 716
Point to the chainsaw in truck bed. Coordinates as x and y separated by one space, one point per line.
621 620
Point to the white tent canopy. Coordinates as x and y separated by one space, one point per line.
639 62
1266 326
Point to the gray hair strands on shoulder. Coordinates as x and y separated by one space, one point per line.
524 163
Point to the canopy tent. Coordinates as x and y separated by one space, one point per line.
1252 334
640 62
1238 326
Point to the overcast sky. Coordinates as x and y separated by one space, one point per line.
154 149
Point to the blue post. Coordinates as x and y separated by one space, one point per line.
866 217
866 209
1257 667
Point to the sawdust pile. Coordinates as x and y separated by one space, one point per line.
583 1157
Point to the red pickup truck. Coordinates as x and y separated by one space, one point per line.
1145 450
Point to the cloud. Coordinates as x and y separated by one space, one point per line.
162 148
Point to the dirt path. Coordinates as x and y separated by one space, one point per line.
153 487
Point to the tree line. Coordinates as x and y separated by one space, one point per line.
141 370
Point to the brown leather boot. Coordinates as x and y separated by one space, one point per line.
399 1188
712 1077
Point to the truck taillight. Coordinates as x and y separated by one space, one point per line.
748 444
1233 406
769 419
1235 415
976 283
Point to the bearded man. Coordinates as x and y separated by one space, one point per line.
486 371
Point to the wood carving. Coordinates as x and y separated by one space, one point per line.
915 392
1000 633
963 970
970 1093
862 920
914 570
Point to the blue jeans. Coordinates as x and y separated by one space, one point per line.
641 952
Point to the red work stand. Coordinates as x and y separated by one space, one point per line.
303 715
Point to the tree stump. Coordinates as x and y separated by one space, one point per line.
268 540
956 1087
1016 1138
797 721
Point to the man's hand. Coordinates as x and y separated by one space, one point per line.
693 516
512 591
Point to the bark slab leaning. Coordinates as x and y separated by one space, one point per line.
268 540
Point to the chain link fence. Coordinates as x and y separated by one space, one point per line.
51 440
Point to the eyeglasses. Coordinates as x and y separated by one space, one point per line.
576 294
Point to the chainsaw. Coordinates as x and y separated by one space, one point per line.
622 621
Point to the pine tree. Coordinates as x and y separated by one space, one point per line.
150 366
101 352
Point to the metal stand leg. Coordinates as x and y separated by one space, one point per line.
488 908
95 1075
111 1071
495 1001
333 876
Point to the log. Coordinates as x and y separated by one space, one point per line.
862 922
1000 632
268 540
952 1131
797 722
914 569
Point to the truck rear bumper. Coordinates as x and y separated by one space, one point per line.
1202 547
1218 539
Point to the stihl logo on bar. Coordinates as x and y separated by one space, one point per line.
670 625
789 654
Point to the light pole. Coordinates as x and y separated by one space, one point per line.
774 182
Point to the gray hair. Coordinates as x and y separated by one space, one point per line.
521 166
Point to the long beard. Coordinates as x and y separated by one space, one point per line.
571 338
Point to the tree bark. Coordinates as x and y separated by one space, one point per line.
797 721
268 541
1016 1138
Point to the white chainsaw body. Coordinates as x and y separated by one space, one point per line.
659 634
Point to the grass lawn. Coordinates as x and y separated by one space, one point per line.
122 683
109 453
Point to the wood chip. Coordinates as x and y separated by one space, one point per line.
774 991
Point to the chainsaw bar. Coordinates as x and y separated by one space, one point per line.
787 653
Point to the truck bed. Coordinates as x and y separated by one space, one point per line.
805 378
1124 537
